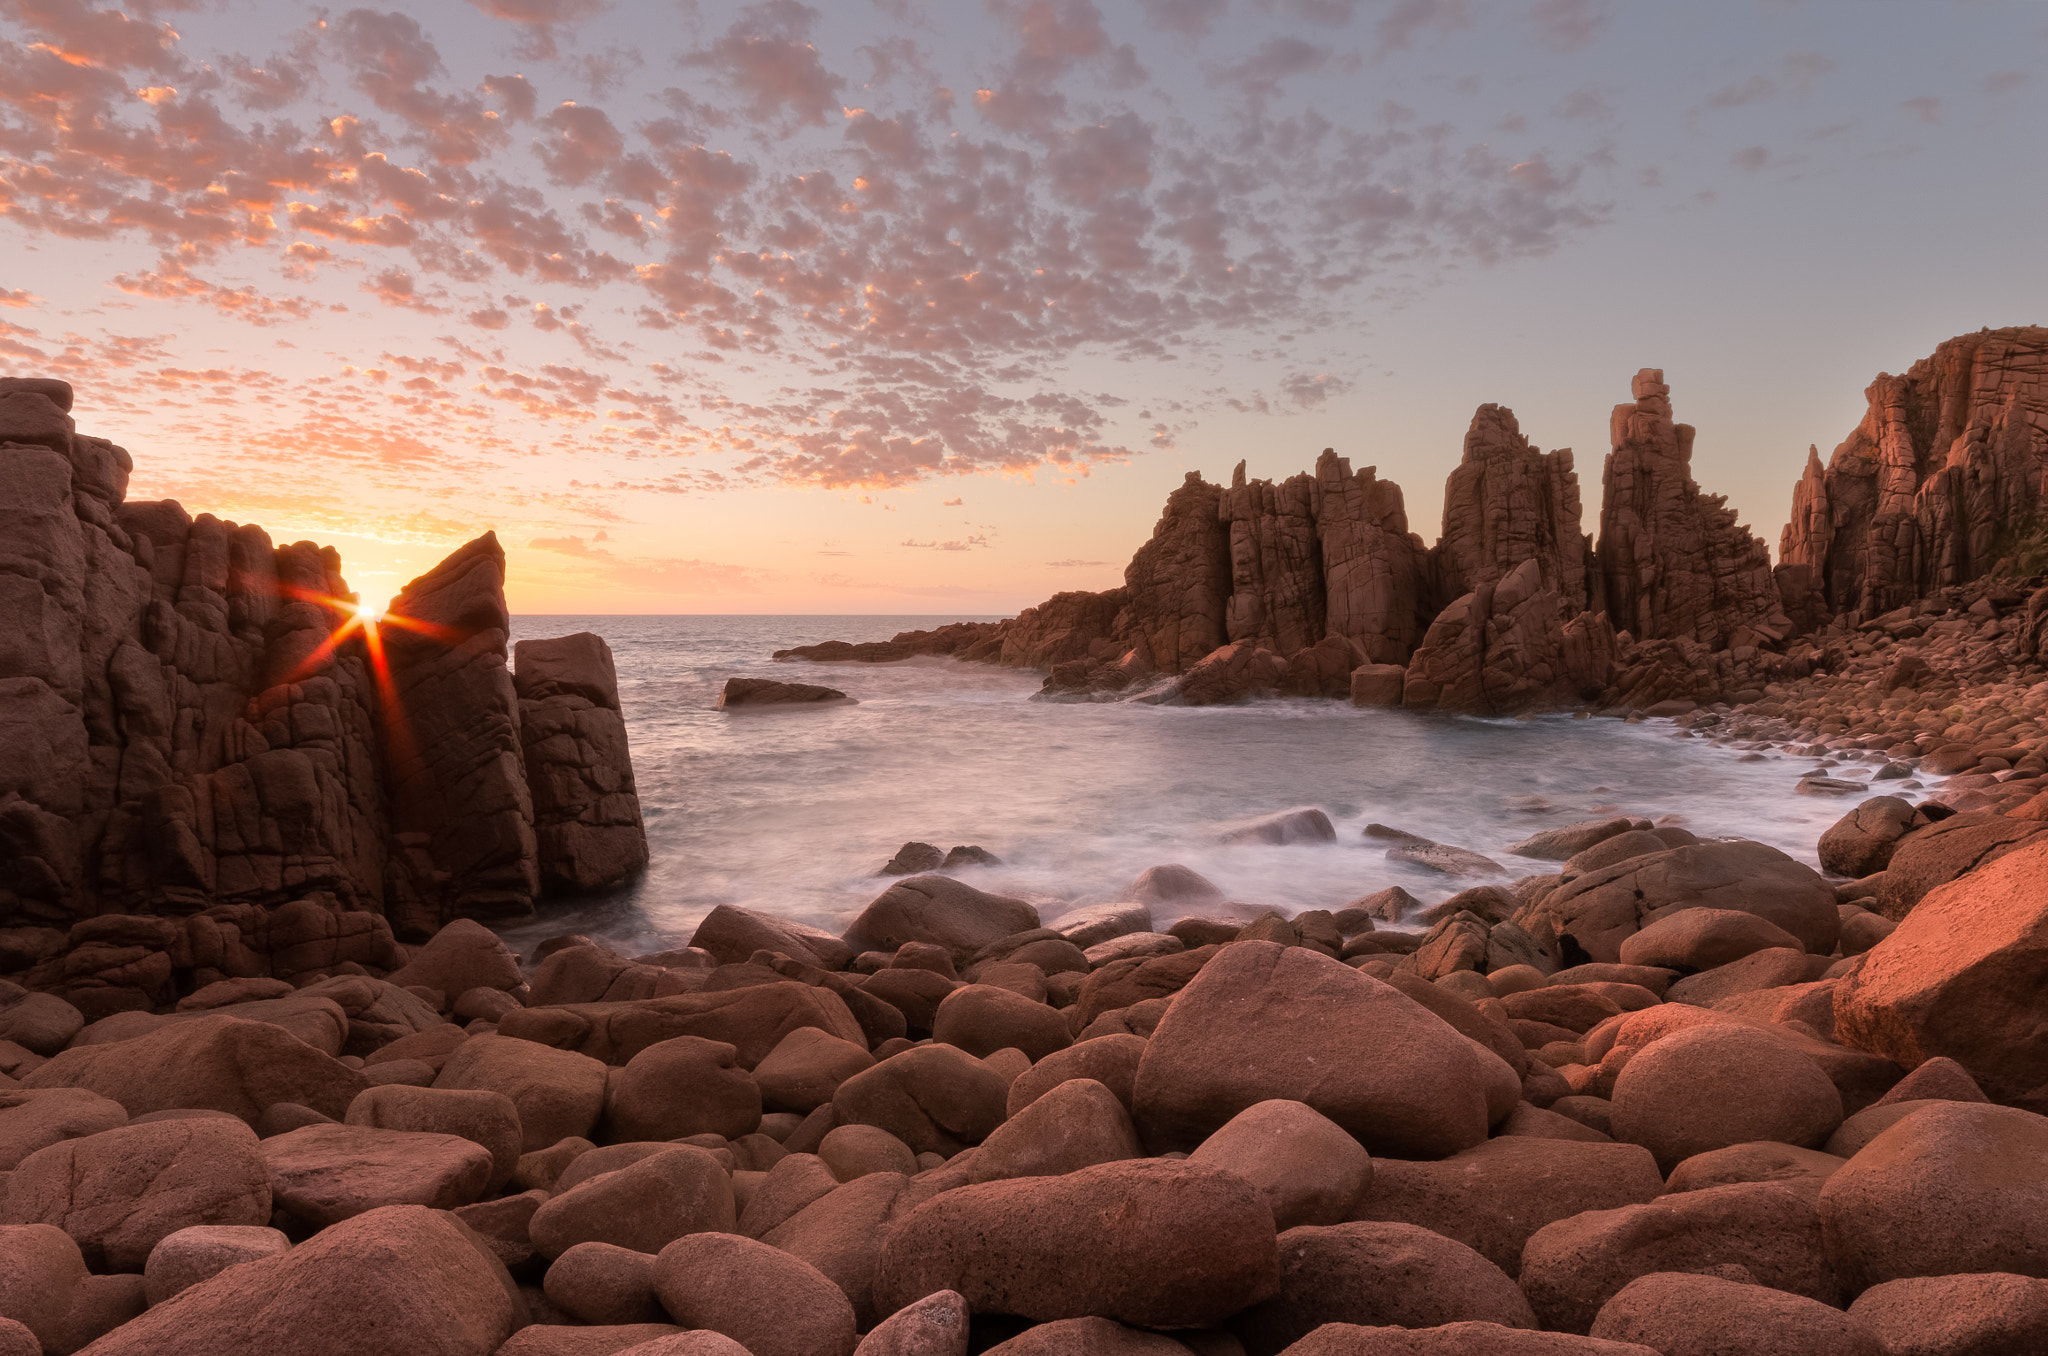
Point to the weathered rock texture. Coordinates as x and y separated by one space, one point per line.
1508 502
1510 646
1935 483
586 810
1674 562
188 728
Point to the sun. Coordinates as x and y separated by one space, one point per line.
371 604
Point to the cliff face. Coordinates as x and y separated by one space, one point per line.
1946 468
187 725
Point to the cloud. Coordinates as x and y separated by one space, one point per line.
569 546
951 503
1753 90
2006 82
1189 18
1751 158
767 58
1310 390
1925 108
1568 25
18 297
1077 564
978 539
1261 74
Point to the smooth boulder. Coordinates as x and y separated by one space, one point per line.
1262 1021
1153 1243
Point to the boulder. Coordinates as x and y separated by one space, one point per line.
1078 1124
1687 1315
1861 842
324 1174
935 1098
1691 940
210 1062
739 692
852 1151
409 1281
1110 1060
680 1087
796 1180
1378 685
1153 1243
1985 1314
733 934
1960 845
1309 1170
1571 1268
1761 1161
1454 1339
1377 1274
40 1023
485 1118
120 1192
33 1119
940 910
1708 1087
604 1284
752 1019
1174 885
1087 1337
806 1068
981 1019
558 1094
1602 909
199 1252
1305 824
1555 845
934 1326
548 1339
769 1302
644 1205
842 1234
1092 924
1263 1021
463 955
1235 672
1954 980
41 1270
1494 1196
1954 1187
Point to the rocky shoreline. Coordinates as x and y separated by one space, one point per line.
1674 1097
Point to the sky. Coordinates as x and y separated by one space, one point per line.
888 306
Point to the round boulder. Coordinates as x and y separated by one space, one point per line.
1708 1087
680 1087
982 1019
1979 1314
769 1302
1955 1187
936 1098
1154 1243
1261 1022
1308 1169
1377 1274
1680 1314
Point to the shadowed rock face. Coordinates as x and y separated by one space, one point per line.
1674 562
185 728
1178 582
586 808
1931 488
1508 502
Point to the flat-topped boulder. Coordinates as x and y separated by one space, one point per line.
767 692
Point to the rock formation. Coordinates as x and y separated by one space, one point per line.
1508 502
1276 575
586 808
1510 646
1374 568
1178 583
1938 482
190 722
1673 561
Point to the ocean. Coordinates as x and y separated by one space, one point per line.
792 811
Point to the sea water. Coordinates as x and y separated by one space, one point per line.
792 810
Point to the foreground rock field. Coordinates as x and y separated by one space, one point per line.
1678 1096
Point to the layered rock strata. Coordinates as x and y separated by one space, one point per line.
1942 479
191 723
